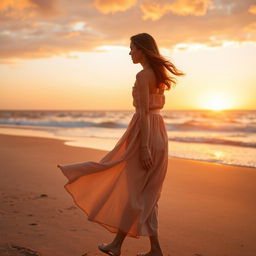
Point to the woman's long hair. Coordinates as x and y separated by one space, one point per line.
158 63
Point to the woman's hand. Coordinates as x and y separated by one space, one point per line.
146 158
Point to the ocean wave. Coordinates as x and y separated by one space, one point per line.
193 125
78 124
186 120
219 141
190 125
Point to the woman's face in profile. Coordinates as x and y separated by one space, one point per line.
135 53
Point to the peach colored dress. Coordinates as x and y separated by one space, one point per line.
117 192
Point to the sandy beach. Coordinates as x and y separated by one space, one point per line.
206 209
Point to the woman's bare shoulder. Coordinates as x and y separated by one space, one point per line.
145 74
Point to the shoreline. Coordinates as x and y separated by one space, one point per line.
43 132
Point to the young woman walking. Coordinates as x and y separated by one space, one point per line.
121 191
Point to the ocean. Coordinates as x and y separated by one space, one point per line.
226 137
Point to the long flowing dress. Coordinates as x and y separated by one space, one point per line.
117 192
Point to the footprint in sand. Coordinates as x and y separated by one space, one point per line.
39 196
33 224
71 208
43 195
12 249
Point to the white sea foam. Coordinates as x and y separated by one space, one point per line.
204 135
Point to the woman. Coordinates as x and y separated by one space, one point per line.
121 191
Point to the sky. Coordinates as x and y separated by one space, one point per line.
60 54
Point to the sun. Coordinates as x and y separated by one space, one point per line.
216 102
216 105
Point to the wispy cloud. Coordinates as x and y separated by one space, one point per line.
28 8
112 6
252 9
156 9
46 28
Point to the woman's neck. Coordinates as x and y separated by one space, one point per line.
145 64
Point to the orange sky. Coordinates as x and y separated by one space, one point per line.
59 54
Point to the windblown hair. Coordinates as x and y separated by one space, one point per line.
158 63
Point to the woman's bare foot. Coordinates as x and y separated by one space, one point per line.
152 252
114 250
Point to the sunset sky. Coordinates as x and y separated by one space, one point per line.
60 54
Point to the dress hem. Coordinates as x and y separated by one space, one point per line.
94 220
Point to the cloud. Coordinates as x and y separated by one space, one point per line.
42 40
27 8
251 28
252 9
20 5
155 10
112 6
62 26
47 7
16 9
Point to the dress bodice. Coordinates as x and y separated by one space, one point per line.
156 100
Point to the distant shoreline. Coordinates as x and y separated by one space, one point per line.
29 131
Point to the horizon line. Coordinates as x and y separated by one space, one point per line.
180 109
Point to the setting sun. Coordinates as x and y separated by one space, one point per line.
216 102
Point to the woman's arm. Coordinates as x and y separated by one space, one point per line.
143 95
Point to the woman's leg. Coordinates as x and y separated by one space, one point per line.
118 240
116 244
155 246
